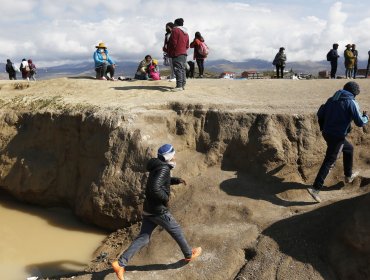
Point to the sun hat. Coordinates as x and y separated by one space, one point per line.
166 152
101 46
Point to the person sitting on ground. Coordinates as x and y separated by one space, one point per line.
25 69
11 70
142 69
198 57
335 118
33 72
153 70
155 210
104 64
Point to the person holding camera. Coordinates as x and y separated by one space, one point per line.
335 118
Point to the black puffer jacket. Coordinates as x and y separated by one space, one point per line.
157 192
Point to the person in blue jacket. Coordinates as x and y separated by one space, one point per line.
335 118
103 63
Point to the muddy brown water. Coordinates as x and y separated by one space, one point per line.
43 242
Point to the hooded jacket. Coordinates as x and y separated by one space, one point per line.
157 192
99 60
178 43
336 115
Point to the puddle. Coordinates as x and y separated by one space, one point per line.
38 241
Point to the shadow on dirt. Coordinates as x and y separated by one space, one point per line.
306 237
265 187
152 88
151 267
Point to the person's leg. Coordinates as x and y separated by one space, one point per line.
355 71
168 222
99 72
334 148
140 241
334 66
180 71
347 158
110 70
172 74
201 67
367 69
199 64
277 72
282 71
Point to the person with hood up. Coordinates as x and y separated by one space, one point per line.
279 62
155 210
11 70
198 57
335 118
104 64
177 47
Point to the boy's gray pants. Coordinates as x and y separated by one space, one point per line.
180 70
149 223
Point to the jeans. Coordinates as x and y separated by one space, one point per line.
334 67
279 69
334 147
168 222
200 63
179 70
349 72
104 69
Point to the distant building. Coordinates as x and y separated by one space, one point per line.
252 74
228 75
324 74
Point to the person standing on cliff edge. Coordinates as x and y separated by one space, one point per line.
155 212
335 118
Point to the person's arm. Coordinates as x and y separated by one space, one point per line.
194 43
359 119
98 59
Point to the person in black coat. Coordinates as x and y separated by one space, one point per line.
155 212
333 56
10 69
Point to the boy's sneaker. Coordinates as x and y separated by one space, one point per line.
194 254
314 193
349 180
119 270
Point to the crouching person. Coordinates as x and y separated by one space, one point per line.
104 65
155 210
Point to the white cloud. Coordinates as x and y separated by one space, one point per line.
51 31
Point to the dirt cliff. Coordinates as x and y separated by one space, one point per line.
83 144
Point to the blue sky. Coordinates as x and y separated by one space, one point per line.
66 31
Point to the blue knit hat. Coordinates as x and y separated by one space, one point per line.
166 152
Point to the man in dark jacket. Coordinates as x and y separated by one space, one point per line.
156 209
177 47
10 69
333 56
335 118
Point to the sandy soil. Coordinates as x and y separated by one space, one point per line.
252 224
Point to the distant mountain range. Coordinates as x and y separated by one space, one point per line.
128 68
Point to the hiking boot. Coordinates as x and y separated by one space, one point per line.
349 180
194 254
177 89
314 193
119 270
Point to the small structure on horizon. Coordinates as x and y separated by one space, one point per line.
252 74
228 75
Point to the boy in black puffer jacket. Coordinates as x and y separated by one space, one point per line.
155 209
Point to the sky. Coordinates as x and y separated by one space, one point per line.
60 32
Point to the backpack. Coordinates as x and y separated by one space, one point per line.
329 56
203 49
